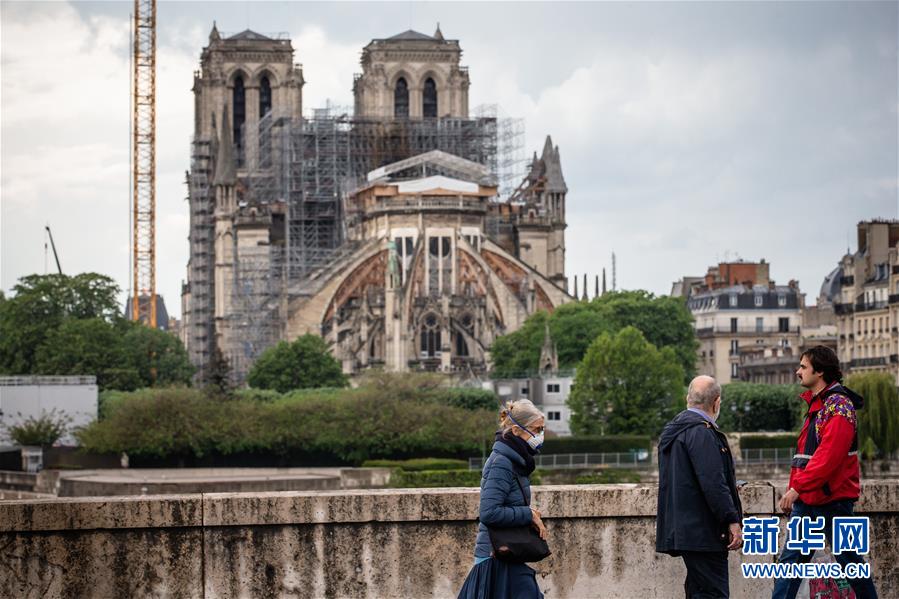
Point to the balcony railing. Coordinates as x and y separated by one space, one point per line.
751 330
863 362
865 306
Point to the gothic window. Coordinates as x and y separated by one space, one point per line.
265 97
401 99
461 346
430 337
238 101
429 99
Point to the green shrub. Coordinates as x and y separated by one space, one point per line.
468 398
350 425
751 407
596 444
42 430
435 478
257 394
785 440
418 464
608 477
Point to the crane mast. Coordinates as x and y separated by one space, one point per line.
143 148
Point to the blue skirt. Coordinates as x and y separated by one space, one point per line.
495 579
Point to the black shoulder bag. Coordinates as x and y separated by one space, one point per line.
518 544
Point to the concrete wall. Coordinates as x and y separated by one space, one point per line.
376 543
22 397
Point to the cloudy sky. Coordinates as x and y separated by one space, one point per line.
689 132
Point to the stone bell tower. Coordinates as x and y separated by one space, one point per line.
412 75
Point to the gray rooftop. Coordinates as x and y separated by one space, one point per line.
410 35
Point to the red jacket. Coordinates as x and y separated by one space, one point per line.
832 472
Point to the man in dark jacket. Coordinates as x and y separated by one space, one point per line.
699 510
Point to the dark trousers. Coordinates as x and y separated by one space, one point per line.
706 575
786 588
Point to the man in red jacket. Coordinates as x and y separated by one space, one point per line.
824 474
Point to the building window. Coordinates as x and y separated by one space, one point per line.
554 415
733 300
733 371
759 325
265 97
759 300
429 99
733 325
782 300
461 346
430 337
401 99
552 387
783 325
239 103
734 347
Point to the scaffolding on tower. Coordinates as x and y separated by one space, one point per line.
296 176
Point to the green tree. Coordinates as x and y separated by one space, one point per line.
664 322
158 357
40 304
751 407
303 364
90 346
625 385
878 420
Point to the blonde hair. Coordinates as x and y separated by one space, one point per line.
523 411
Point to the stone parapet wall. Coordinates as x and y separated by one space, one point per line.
361 543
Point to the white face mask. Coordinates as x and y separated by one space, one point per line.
536 441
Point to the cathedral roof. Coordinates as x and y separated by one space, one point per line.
435 162
247 34
410 35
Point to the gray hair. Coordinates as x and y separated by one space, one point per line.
703 392
523 411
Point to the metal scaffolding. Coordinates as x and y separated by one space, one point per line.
199 317
309 165
254 321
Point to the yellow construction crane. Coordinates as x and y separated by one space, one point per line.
143 156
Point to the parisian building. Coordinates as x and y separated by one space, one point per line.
748 327
865 291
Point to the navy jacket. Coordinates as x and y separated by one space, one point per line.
698 497
502 502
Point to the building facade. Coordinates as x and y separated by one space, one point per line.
381 231
749 328
412 75
866 300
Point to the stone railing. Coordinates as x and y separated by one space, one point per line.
375 543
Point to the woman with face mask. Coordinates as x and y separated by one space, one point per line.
506 502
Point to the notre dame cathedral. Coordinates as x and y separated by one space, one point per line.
381 228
